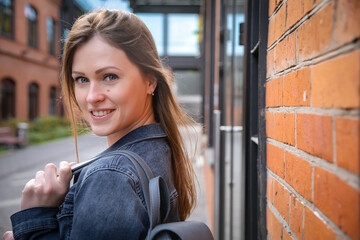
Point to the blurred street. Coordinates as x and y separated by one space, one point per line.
20 165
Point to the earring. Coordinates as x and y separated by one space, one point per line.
152 93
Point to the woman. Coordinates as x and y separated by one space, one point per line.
113 78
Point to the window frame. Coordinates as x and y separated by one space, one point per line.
2 10
32 26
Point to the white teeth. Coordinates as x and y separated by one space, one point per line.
100 113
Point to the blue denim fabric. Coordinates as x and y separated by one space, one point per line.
106 202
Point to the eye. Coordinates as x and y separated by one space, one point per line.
81 80
110 77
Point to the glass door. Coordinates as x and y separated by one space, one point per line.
231 164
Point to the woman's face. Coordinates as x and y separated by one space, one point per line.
113 94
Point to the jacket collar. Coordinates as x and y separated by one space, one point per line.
139 134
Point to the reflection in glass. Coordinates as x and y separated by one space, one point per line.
31 15
6 18
183 30
155 23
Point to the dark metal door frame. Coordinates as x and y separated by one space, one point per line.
254 119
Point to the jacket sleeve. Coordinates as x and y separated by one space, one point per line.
107 206
36 223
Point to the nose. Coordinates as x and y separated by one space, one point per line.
95 93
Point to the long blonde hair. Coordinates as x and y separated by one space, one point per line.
127 32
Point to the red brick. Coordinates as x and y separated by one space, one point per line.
281 200
273 225
337 200
314 135
272 6
315 35
274 92
286 235
315 228
294 12
270 189
298 173
336 83
280 21
271 32
275 159
296 216
284 128
285 53
270 63
347 143
347 21
307 6
269 116
297 88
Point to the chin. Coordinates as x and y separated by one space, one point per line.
100 132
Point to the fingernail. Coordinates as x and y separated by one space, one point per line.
6 235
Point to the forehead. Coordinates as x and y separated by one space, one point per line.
97 52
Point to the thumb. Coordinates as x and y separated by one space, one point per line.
8 235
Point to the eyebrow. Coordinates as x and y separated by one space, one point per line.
97 71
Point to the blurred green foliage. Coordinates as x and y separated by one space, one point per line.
46 128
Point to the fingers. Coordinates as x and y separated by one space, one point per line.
47 189
8 235
65 173
50 174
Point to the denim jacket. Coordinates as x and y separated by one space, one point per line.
106 201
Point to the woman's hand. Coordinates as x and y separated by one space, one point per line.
47 189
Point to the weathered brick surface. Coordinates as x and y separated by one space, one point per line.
335 83
285 53
296 216
347 21
337 200
316 228
297 88
269 124
284 128
270 189
312 120
281 200
347 143
315 35
314 135
299 180
286 235
275 159
273 225
294 12
273 93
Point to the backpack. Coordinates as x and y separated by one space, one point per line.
156 197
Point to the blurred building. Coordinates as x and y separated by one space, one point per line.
30 33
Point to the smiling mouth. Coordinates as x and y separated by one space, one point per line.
101 113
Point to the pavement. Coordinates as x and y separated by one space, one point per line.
20 165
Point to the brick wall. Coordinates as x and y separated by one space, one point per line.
312 119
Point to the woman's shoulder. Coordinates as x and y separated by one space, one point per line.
112 163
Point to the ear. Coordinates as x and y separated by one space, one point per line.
151 82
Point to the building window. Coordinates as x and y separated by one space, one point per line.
33 101
52 101
31 15
50 28
7 99
6 18
183 35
